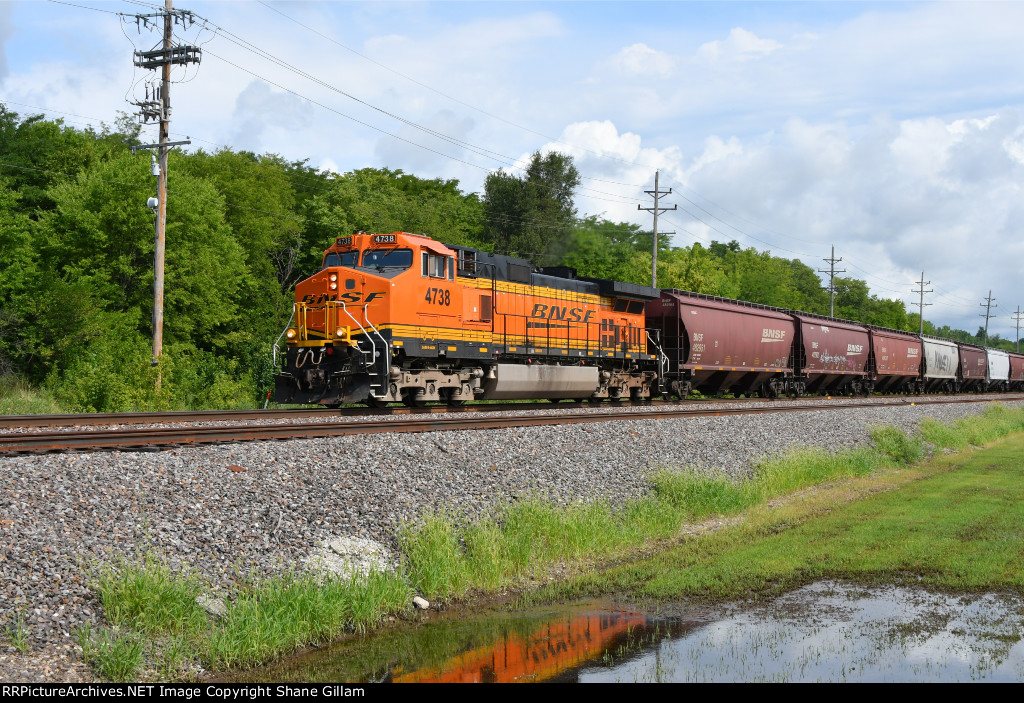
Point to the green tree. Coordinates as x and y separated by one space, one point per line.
535 215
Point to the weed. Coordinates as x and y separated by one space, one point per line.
150 598
895 444
18 634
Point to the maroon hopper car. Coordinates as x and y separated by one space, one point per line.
972 367
895 360
717 346
832 355
1016 371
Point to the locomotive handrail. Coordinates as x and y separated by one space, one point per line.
386 353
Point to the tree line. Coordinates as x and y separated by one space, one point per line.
77 244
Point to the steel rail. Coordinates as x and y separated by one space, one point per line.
168 417
166 437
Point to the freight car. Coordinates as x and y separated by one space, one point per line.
402 318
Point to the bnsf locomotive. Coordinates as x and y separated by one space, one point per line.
402 318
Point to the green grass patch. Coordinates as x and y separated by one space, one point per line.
18 398
147 602
150 598
296 610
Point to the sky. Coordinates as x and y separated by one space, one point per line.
893 131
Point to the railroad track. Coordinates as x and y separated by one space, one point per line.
157 438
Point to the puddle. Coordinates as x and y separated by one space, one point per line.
823 632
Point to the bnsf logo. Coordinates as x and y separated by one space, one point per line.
854 348
353 297
768 335
555 312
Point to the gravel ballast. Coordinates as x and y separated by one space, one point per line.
261 508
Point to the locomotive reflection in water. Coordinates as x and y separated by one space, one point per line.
402 318
552 649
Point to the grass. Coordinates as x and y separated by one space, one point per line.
148 602
18 634
940 526
954 523
17 398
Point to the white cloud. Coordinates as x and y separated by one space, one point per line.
6 31
741 45
642 60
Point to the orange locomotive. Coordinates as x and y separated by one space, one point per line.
401 317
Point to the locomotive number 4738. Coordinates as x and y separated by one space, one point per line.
439 296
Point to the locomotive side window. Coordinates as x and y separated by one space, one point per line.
388 258
435 266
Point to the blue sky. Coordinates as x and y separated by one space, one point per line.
892 130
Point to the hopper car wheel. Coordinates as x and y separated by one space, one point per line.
372 402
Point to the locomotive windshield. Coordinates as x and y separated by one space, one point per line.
346 258
388 258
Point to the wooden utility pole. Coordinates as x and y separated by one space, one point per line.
158 109
656 210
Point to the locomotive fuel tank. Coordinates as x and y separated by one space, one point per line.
715 345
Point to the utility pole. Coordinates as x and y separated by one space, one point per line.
656 210
832 261
988 305
1017 318
921 306
157 108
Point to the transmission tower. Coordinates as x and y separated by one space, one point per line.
656 210
157 108
832 261
922 305
988 305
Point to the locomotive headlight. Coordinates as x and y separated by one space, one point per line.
290 334
334 277
334 286
340 332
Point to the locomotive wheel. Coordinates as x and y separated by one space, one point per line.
410 401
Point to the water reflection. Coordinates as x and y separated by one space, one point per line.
832 632
549 650
824 632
